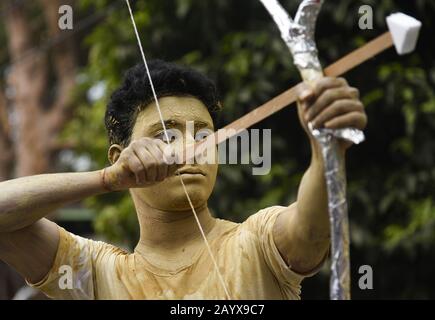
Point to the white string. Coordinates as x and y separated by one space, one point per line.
221 279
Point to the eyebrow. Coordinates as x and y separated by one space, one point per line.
171 123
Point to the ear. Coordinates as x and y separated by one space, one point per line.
114 152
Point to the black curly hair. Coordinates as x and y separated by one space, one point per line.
135 94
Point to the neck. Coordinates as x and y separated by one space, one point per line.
170 230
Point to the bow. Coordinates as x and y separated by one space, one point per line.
299 38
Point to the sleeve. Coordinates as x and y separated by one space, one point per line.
72 275
261 224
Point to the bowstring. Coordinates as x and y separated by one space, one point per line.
156 100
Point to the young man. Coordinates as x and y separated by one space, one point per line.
265 257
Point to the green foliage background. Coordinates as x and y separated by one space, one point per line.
391 176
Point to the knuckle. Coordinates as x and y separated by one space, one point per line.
321 85
355 117
356 105
127 152
159 142
158 154
143 142
133 144
360 105
134 165
344 92
329 94
152 142
354 92
342 81
339 106
141 155
323 82
129 158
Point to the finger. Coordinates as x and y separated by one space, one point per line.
167 149
354 92
150 167
137 168
172 157
354 119
148 161
162 167
326 83
336 109
169 153
306 93
325 99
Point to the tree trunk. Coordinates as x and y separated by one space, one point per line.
38 105
39 118
6 151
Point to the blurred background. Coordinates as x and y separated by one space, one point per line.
54 86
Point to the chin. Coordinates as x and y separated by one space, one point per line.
179 202
173 198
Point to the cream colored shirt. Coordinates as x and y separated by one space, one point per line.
246 254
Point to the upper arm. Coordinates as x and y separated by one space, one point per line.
262 225
31 251
302 252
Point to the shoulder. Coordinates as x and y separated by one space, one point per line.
255 224
262 219
78 261
80 246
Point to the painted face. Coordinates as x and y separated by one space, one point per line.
176 112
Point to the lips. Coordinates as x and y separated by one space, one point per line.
191 171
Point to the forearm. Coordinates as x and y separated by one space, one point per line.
24 201
302 231
312 201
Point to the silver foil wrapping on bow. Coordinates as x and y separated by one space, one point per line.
335 178
299 38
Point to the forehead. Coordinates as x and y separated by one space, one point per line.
176 108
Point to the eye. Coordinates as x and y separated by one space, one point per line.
172 135
202 134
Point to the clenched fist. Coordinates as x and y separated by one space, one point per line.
144 162
333 104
